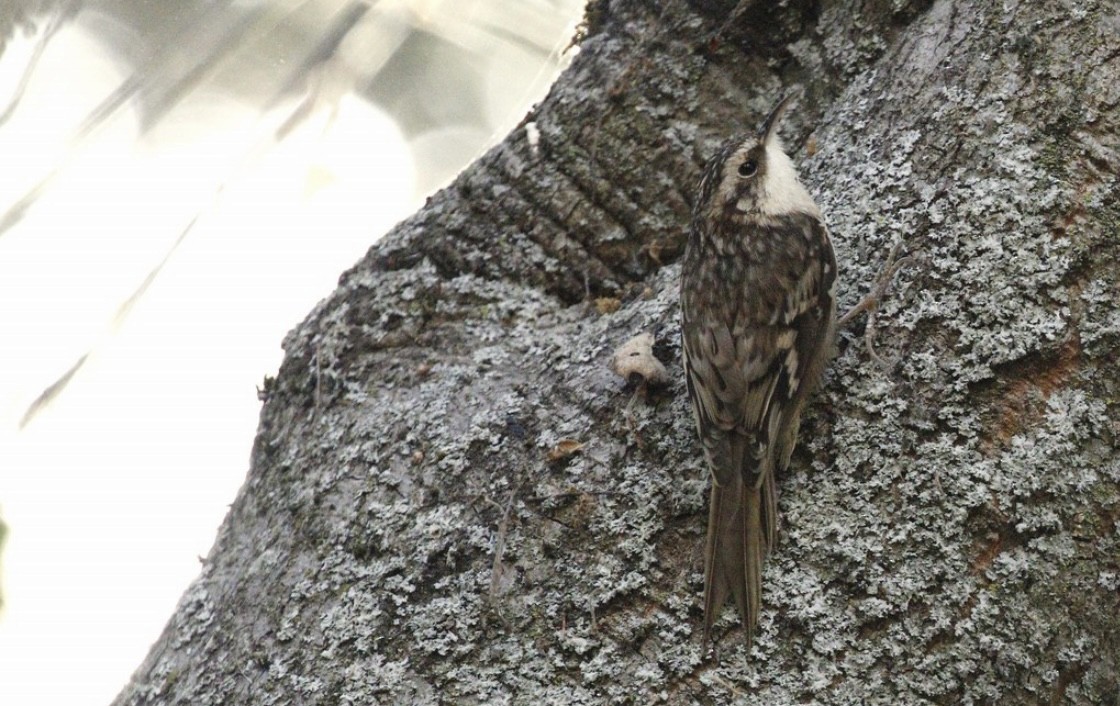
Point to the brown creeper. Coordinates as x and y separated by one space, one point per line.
757 314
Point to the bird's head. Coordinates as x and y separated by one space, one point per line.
752 177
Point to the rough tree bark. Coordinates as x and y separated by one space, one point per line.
452 499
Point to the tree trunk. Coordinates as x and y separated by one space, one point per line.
453 499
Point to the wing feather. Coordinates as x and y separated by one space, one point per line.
744 371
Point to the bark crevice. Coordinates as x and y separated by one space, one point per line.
948 526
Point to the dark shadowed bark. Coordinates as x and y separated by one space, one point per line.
453 499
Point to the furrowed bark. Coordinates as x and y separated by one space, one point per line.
452 499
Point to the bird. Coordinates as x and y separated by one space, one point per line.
758 312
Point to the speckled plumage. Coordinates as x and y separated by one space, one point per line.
758 308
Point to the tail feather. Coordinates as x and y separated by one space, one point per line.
742 525
769 514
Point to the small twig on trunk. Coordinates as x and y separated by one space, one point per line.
870 303
499 549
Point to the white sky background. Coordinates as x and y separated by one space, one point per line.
113 490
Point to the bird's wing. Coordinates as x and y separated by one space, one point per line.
749 375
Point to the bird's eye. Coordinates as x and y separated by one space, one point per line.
748 168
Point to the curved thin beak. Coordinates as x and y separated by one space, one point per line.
770 125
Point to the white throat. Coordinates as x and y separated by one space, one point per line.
784 192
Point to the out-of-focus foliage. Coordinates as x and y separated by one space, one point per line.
453 76
3 536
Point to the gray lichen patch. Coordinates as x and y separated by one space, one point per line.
948 527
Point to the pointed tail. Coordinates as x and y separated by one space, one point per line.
742 523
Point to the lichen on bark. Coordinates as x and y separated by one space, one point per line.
408 533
